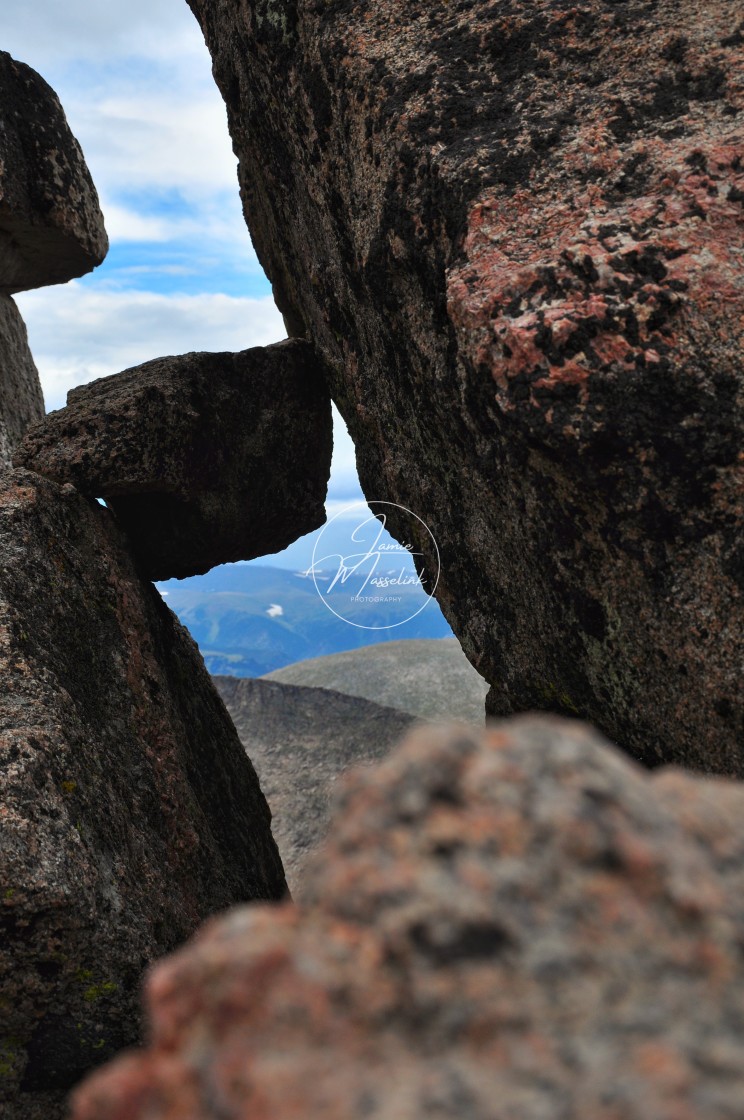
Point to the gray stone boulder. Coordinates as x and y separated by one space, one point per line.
21 399
203 458
128 808
301 740
51 226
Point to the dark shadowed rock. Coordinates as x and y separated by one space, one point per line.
428 677
204 458
511 923
51 227
21 399
128 808
513 232
300 740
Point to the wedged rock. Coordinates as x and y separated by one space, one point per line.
128 808
21 398
51 226
513 233
204 458
300 741
517 922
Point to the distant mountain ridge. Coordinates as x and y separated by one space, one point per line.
249 620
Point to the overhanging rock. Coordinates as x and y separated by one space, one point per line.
513 231
51 227
204 458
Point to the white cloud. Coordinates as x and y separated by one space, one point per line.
136 85
173 138
346 509
78 333
210 229
275 611
47 32
344 480
123 224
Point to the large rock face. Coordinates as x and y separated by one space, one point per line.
21 399
128 808
513 231
204 458
51 227
517 922
301 740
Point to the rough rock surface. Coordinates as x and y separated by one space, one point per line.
513 923
21 398
128 809
51 226
204 458
513 231
428 677
300 740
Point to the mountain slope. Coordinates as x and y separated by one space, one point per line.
428 678
300 740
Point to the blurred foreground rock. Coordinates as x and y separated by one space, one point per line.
51 227
300 740
128 809
510 923
204 458
513 232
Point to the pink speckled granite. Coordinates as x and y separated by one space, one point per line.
513 231
515 924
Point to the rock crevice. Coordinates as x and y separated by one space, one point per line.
203 458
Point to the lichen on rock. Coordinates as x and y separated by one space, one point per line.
513 233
